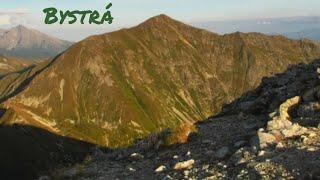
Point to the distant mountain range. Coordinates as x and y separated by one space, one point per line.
292 27
2 31
114 88
24 42
313 34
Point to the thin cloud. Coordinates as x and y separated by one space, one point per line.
13 16
18 11
5 20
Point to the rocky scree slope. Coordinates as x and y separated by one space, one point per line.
270 132
114 88
24 42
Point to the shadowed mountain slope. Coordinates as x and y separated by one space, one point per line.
27 152
113 88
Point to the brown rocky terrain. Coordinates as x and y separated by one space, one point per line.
270 132
25 42
113 88
10 64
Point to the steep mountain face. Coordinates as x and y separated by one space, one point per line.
29 43
114 88
9 64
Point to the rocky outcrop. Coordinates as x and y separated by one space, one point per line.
281 126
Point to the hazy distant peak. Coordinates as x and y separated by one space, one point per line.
21 41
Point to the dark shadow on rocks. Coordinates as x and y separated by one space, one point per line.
27 152
2 112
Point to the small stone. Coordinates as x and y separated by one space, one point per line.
206 141
249 126
131 169
294 130
222 152
44 178
312 134
280 145
312 149
175 157
305 139
184 165
273 114
205 167
188 153
160 168
261 153
265 139
209 153
239 144
186 173
71 172
136 156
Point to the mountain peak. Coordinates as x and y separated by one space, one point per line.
21 27
160 19
21 41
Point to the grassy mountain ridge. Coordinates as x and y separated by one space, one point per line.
113 88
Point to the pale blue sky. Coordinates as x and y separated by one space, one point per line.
131 12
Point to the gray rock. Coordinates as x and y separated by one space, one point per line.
311 94
237 158
44 178
250 125
308 110
239 144
222 152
